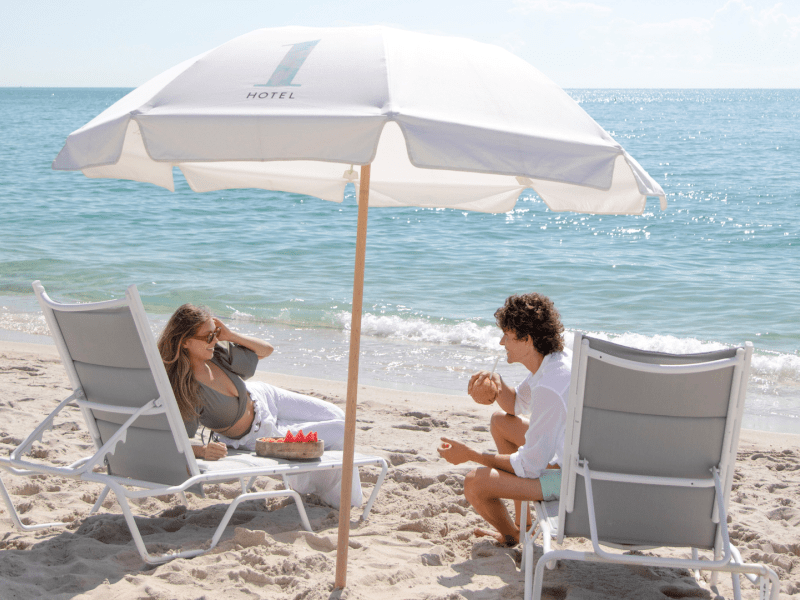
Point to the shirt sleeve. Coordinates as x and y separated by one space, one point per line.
237 359
523 399
541 440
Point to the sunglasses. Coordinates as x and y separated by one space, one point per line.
209 337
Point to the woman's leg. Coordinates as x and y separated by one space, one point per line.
296 407
287 410
485 488
298 411
293 411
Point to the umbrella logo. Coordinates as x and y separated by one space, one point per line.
287 69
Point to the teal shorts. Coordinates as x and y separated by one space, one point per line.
551 484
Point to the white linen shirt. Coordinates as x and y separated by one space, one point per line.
543 396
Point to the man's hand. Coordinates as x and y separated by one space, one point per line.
484 387
455 452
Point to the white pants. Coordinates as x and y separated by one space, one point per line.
278 411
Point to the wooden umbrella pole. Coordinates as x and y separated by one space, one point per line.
352 381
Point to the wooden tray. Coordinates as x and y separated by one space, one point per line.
291 450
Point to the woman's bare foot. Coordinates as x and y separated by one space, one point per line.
507 541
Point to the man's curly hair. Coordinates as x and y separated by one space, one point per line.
532 316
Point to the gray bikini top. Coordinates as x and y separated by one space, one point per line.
216 410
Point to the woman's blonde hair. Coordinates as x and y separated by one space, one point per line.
183 324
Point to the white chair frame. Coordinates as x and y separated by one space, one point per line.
726 556
199 472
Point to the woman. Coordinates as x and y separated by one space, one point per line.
527 465
208 381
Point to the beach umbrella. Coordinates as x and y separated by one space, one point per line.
429 121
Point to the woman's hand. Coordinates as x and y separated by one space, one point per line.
225 334
215 451
260 347
454 452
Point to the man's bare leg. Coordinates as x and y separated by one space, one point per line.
485 488
509 432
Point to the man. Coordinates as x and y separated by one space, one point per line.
529 450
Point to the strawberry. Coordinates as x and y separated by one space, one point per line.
311 437
300 437
289 437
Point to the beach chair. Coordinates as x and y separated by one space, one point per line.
140 444
649 458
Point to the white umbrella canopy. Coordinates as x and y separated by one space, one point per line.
432 121
422 109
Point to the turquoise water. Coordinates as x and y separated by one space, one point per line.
718 267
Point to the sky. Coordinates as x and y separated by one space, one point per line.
578 44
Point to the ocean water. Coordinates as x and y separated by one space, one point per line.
720 266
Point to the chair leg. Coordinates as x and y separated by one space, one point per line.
523 529
375 489
736 559
545 530
715 574
538 579
550 557
527 561
696 556
99 502
736 585
547 544
136 534
539 527
119 492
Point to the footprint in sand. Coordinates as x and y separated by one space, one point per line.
400 457
422 422
779 460
785 513
29 489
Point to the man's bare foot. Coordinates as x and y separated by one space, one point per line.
506 541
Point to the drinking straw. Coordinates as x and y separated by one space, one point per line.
497 360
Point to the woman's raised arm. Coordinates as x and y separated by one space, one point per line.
260 347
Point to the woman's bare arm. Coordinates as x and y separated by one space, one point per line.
260 347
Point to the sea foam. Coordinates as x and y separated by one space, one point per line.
770 365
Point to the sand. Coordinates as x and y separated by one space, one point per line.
417 544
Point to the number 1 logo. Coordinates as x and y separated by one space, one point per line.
287 69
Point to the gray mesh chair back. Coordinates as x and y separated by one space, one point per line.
103 348
657 424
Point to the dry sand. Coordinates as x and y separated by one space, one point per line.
417 543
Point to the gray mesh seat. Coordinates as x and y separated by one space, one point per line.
649 457
140 444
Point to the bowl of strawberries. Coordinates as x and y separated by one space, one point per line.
298 446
